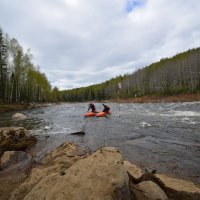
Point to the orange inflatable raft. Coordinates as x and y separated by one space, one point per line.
90 114
102 114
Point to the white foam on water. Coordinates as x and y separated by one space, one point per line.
186 113
47 127
181 114
53 130
145 124
187 121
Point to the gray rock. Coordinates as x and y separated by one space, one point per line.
19 116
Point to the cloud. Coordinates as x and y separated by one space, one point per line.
82 42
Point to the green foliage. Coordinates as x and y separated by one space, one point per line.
169 76
55 95
20 80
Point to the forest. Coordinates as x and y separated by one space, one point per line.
170 76
20 80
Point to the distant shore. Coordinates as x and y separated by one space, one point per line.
12 107
21 106
144 99
162 99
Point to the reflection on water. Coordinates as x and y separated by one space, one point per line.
161 136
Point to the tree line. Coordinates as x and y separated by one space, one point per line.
170 76
20 80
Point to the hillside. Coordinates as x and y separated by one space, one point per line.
170 76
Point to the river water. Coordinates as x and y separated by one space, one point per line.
165 137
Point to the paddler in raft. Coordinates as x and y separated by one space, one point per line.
106 109
92 107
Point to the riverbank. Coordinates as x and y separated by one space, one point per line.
144 99
21 106
70 172
12 107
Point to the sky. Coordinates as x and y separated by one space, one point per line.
78 43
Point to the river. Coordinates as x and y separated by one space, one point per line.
161 136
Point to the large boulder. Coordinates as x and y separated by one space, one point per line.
15 138
19 116
180 189
56 161
99 176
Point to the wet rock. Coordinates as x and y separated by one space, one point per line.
180 189
133 170
31 105
14 166
15 138
19 116
99 176
78 133
148 190
10 159
6 158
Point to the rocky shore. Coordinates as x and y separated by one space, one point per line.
22 106
72 173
